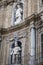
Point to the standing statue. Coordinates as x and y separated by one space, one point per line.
18 15
15 54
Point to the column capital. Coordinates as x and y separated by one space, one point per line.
32 25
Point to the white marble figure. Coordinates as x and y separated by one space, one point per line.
16 49
15 52
18 14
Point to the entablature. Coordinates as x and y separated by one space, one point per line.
26 23
7 2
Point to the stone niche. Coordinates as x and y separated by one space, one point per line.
8 41
17 13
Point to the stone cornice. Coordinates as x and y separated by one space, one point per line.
7 2
22 25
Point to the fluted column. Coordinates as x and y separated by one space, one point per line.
33 43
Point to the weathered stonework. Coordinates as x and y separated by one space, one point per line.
31 13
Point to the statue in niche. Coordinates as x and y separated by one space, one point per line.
19 13
15 53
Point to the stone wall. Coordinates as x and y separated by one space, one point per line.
29 8
24 35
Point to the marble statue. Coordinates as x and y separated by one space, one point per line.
18 14
16 48
15 53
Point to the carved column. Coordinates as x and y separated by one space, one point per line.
33 43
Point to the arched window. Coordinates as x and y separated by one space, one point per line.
15 54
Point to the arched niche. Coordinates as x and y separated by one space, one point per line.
17 13
15 52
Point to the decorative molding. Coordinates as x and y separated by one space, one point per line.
6 2
15 36
23 24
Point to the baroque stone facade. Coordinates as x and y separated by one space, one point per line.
21 44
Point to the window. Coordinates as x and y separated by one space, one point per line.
42 44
